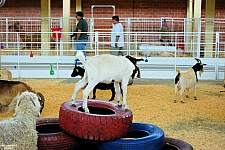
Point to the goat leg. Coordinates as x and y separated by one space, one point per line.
91 85
77 87
117 89
181 98
113 94
139 73
175 93
121 90
94 92
195 87
124 87
187 93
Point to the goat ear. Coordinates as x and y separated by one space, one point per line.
75 63
204 64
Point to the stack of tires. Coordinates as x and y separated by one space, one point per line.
106 127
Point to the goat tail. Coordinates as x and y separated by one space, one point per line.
178 70
81 57
5 109
177 76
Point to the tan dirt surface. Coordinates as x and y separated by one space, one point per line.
201 123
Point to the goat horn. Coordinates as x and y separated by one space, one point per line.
198 60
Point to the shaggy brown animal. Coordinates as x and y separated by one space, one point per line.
35 38
9 92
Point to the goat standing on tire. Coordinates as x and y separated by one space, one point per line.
104 69
186 80
103 86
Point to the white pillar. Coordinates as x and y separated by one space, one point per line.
189 24
197 16
78 5
66 23
189 8
209 12
45 26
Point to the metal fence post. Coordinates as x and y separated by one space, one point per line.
91 32
18 54
61 39
7 32
217 55
128 35
198 37
96 43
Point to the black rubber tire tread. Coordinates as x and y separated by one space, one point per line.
94 126
58 140
179 144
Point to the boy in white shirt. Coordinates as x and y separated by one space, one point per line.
117 37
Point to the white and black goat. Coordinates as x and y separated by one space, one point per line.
134 61
79 71
104 69
186 80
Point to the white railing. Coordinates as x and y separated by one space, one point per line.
161 59
142 38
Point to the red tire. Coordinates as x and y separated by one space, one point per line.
106 121
51 136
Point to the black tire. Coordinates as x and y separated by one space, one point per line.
176 144
144 137
105 121
51 136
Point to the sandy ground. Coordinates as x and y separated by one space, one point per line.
201 123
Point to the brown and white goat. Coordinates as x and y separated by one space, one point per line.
104 69
9 92
186 80
32 41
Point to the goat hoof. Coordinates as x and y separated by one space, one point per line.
119 105
74 105
86 110
174 101
182 102
187 96
195 98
